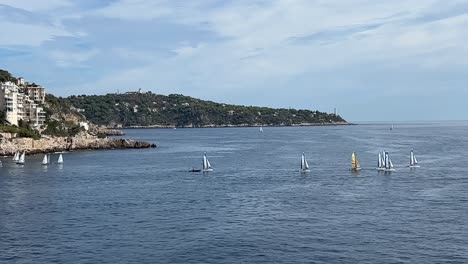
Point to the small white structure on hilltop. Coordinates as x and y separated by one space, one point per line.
20 81
84 125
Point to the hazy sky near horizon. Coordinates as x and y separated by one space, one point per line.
372 59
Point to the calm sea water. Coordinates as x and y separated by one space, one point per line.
143 206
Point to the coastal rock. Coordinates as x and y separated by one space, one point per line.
54 144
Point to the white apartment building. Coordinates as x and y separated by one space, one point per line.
33 113
20 81
19 106
35 93
9 102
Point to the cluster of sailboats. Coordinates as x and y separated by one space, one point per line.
19 158
384 163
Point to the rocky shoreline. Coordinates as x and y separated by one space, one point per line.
9 146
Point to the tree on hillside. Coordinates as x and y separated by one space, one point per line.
5 76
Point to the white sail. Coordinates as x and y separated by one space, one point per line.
261 129
304 163
16 156
45 160
21 160
387 163
206 164
60 159
413 160
390 163
379 162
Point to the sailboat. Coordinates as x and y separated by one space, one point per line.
60 159
21 159
355 166
45 160
391 128
381 162
16 157
304 164
260 129
206 164
388 163
413 161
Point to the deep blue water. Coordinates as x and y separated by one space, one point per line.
143 206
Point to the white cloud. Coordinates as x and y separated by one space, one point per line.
135 9
28 34
72 58
37 5
258 50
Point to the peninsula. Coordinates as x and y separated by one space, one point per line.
33 122
138 109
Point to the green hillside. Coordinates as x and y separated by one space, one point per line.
149 109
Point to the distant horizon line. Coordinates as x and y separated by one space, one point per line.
394 122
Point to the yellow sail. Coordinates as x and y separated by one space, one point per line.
354 162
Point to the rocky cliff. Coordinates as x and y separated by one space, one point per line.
10 145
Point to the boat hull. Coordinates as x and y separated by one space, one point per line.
208 170
414 166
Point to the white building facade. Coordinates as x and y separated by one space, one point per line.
20 106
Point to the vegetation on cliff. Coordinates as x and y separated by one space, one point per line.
149 109
64 115
61 118
5 76
20 131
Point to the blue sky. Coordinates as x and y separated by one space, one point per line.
373 60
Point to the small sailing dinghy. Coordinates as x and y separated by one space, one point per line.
355 166
206 164
304 164
388 163
60 159
45 160
260 129
381 162
21 159
16 157
413 161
